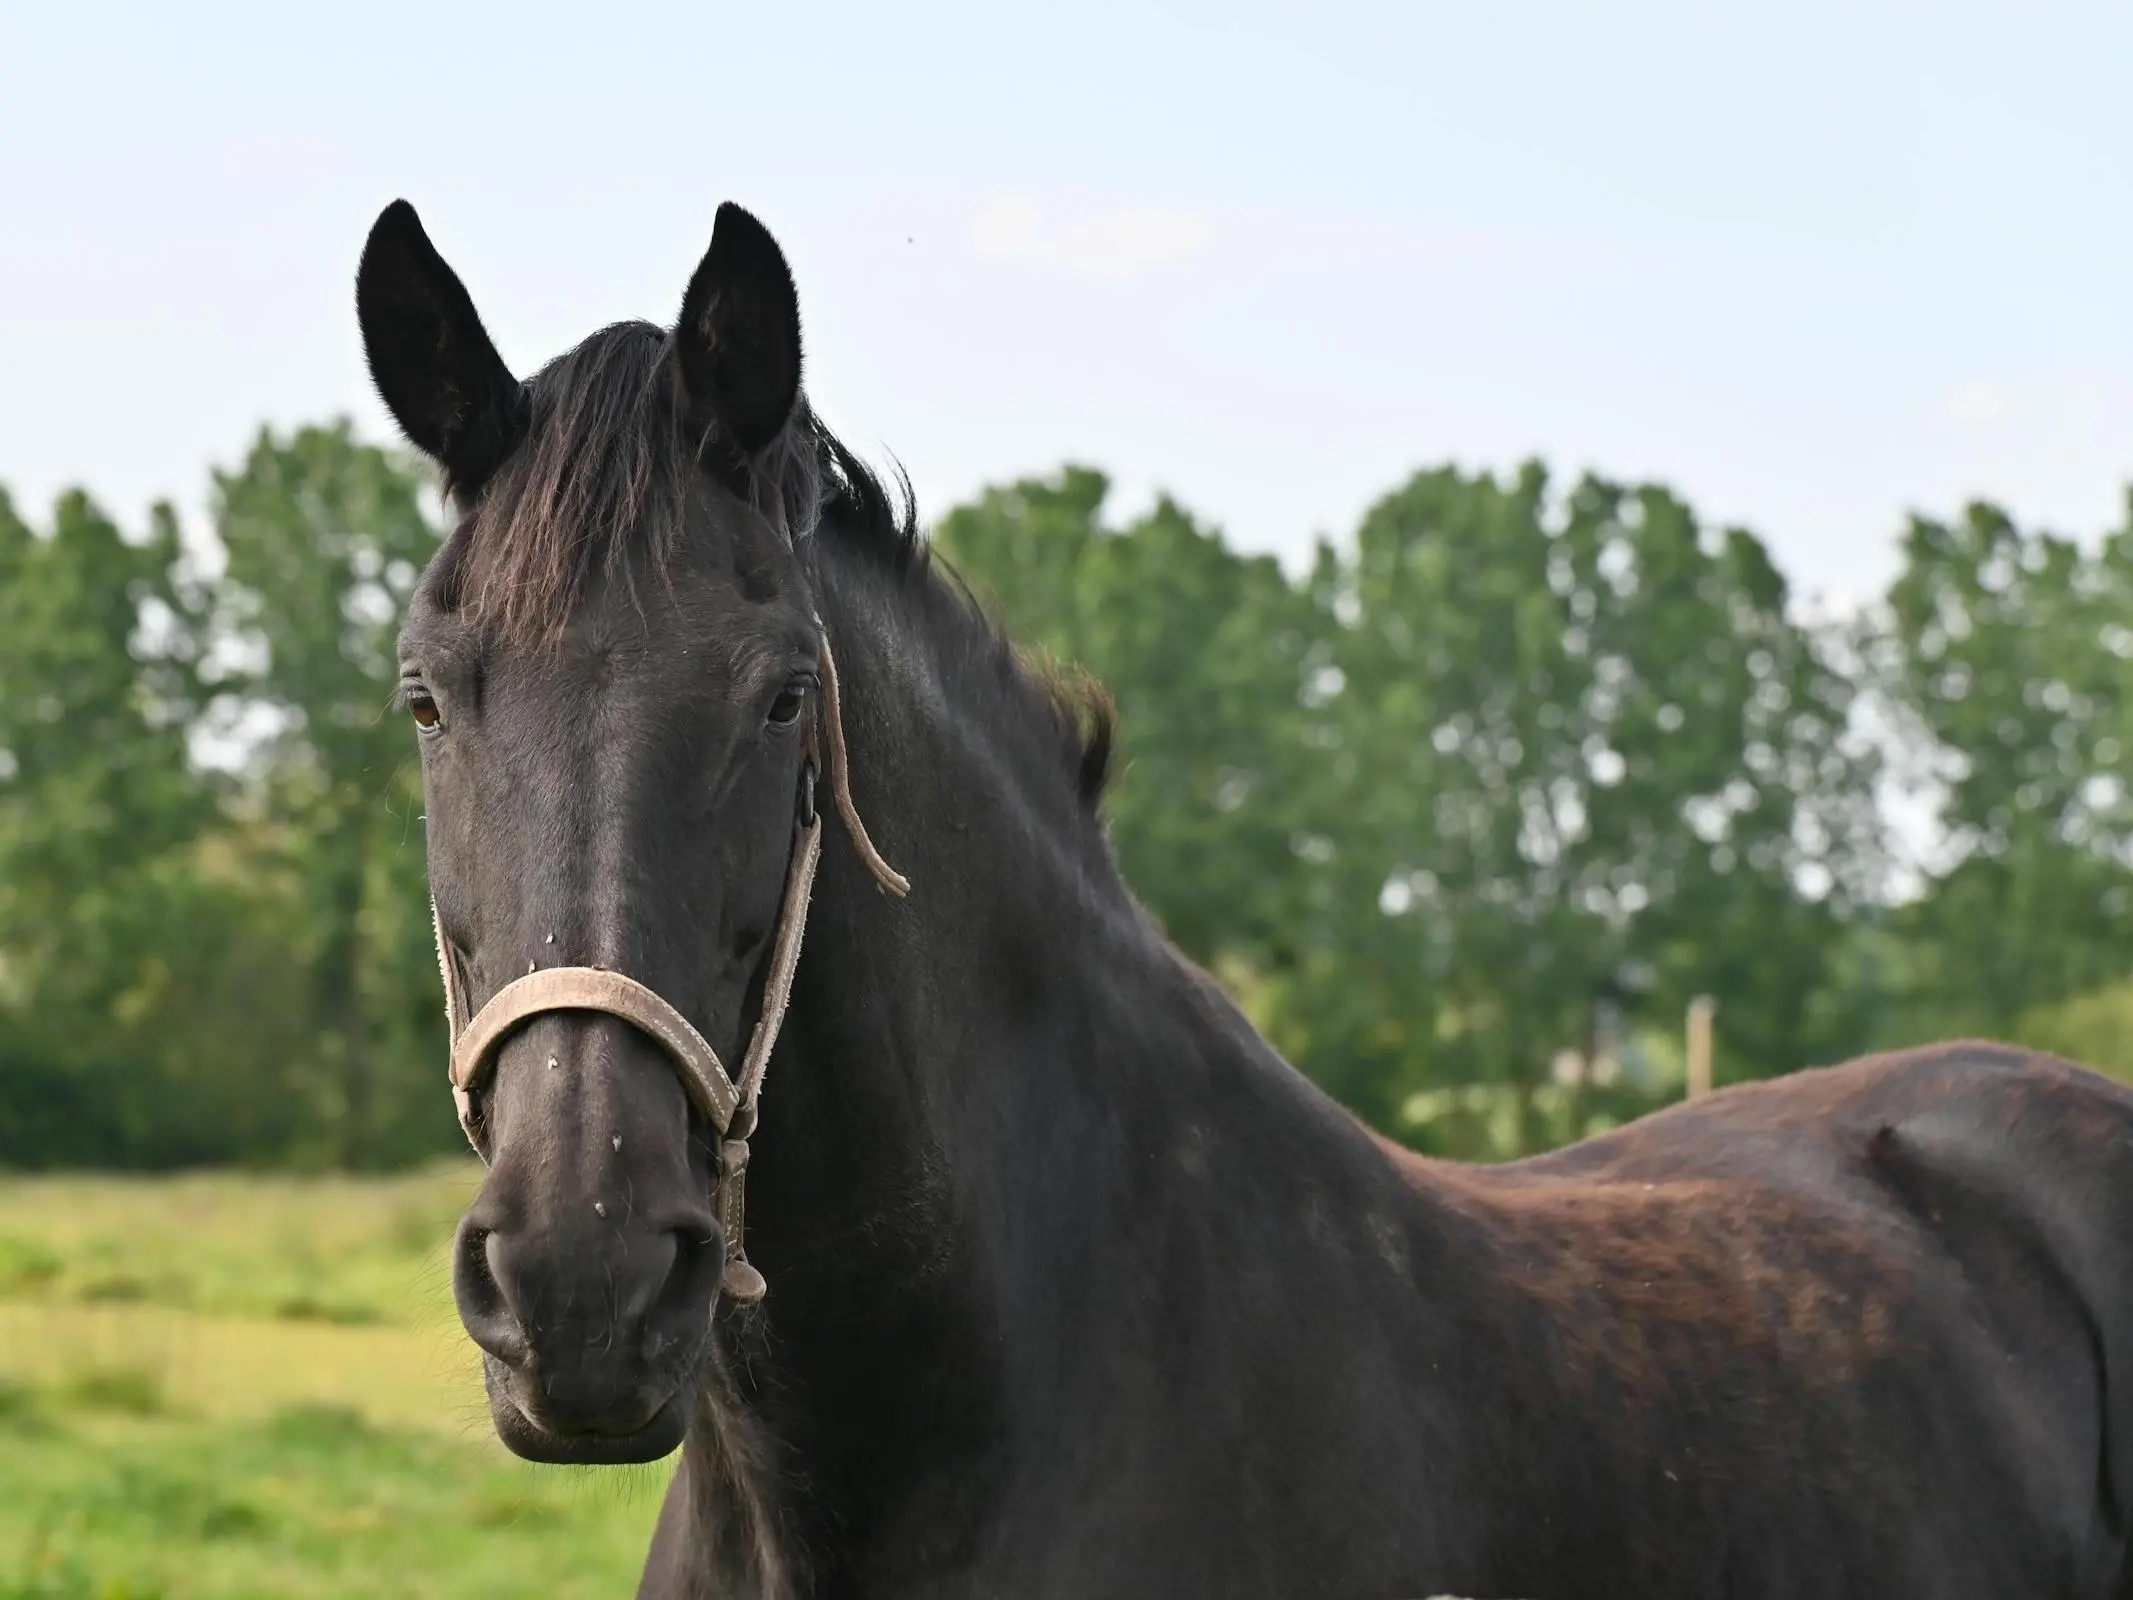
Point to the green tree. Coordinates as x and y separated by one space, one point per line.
326 538
1209 656
1592 764
102 900
1510 765
2005 653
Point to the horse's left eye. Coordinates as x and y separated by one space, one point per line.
791 701
422 707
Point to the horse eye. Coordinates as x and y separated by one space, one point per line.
422 707
791 701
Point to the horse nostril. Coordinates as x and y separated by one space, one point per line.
680 1314
484 1300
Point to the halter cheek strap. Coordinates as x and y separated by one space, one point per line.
726 1103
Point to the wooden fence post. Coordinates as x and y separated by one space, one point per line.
1701 1010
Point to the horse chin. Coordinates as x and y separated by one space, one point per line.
661 1435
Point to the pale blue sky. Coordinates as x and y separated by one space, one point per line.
1812 264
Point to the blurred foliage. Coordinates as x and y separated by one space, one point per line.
1209 657
2008 655
1498 784
1514 773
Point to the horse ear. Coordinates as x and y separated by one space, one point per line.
739 335
434 365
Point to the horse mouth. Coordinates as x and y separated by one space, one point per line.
659 1436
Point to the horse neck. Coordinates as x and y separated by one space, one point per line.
914 1020
1014 1147
942 1120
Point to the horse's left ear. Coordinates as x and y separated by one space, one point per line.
739 335
433 362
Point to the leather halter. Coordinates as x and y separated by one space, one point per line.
726 1103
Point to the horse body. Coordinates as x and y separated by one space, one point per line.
1155 1316
1076 1288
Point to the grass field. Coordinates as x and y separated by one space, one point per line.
247 1386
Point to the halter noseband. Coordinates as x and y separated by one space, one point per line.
728 1104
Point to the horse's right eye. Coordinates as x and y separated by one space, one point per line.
791 701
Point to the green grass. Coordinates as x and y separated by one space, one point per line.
309 1502
237 1386
348 1250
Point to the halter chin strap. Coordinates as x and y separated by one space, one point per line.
728 1104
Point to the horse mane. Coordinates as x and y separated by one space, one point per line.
601 483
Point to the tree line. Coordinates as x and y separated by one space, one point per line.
1465 813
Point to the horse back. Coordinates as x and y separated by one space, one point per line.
1892 1294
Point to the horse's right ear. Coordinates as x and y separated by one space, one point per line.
739 334
434 365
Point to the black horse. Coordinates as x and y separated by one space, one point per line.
1075 1287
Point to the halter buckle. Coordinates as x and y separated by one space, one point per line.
738 1282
